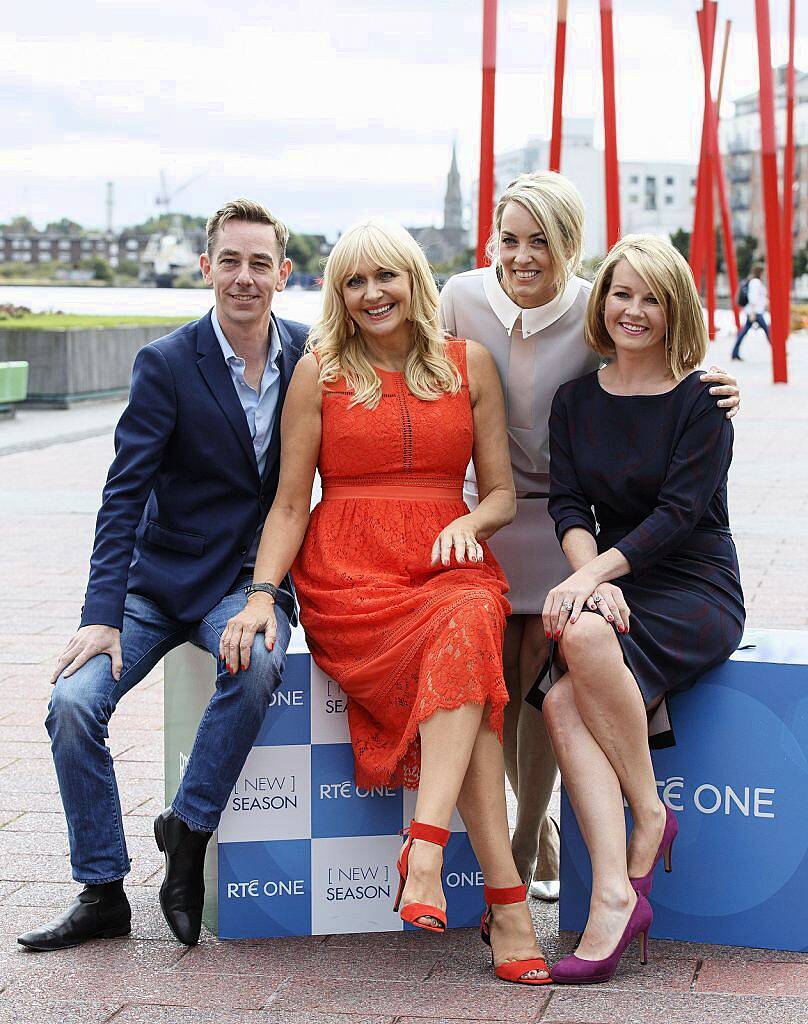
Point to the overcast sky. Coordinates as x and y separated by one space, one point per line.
326 110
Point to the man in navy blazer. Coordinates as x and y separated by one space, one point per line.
195 471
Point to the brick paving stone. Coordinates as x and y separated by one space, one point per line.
18 778
52 843
40 894
751 978
701 951
598 1006
34 868
177 1015
7 889
255 956
23 1010
16 919
103 954
170 988
36 821
374 995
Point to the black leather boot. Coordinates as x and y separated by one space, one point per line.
182 894
98 912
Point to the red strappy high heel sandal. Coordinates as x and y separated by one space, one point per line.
413 911
511 970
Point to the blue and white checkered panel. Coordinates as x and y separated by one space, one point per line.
302 849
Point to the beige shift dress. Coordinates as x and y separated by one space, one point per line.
533 363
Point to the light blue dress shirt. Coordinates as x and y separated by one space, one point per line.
260 407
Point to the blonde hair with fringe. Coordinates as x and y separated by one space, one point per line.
556 205
428 371
667 274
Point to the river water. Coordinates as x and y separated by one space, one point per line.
293 304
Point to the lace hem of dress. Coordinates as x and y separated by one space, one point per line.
461 664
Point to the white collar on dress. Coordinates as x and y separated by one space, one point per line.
532 319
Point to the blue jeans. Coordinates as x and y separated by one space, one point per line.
82 704
756 318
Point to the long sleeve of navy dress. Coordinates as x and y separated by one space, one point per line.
647 474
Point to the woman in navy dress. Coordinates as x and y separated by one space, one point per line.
639 456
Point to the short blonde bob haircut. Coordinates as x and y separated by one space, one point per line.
337 340
665 271
556 205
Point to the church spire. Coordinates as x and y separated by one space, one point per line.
453 201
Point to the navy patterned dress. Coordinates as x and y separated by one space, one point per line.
647 474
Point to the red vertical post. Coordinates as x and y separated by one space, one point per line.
788 168
726 221
610 125
707 20
558 87
771 202
697 237
485 202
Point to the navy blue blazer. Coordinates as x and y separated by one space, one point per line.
183 497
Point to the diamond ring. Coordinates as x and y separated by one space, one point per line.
567 606
597 598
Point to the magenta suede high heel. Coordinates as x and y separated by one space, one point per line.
573 970
643 884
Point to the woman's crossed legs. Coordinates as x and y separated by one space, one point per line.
598 725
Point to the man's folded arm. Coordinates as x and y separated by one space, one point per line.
140 439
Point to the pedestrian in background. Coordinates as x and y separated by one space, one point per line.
757 299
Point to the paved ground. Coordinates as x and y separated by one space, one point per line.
48 500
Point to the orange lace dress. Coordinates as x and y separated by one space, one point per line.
403 638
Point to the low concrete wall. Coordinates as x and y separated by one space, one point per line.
78 365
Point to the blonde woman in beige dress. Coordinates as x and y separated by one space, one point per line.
528 309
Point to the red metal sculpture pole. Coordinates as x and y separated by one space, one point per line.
697 237
726 222
485 202
705 235
708 32
558 87
771 202
610 125
788 168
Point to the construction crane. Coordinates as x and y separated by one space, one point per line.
164 197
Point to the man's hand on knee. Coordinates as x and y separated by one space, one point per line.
86 643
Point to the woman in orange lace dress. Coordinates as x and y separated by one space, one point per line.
402 602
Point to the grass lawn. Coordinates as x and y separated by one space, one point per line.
68 321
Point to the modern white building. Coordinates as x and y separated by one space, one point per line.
740 142
580 162
655 197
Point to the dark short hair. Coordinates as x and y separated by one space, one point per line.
251 211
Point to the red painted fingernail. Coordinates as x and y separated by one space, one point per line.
611 618
558 633
272 645
621 629
573 618
243 668
548 635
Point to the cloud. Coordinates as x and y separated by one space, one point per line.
333 107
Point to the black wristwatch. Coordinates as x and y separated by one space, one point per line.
265 588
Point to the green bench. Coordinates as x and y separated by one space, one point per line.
13 387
